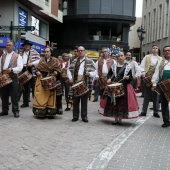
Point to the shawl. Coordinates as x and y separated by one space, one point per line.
50 67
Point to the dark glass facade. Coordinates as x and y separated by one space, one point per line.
94 24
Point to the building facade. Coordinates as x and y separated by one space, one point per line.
95 24
37 13
156 22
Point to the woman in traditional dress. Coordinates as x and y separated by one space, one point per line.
44 103
126 106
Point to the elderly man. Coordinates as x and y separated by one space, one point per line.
30 60
82 69
11 64
136 72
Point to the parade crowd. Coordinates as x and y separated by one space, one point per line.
115 79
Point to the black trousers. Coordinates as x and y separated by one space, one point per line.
148 94
164 108
26 90
12 90
76 105
65 86
96 91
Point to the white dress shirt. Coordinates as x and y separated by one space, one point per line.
25 58
135 68
154 61
81 70
155 77
17 69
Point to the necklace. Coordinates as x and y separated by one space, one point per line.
120 65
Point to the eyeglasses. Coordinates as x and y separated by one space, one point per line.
166 50
80 50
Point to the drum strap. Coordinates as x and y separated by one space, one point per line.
162 67
119 73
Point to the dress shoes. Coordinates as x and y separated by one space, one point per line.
16 114
142 114
67 109
74 119
156 115
85 120
24 105
165 125
3 113
95 100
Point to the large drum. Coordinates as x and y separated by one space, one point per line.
79 89
165 87
58 88
5 80
102 82
147 80
48 83
116 89
24 77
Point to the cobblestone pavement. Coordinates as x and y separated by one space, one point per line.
54 144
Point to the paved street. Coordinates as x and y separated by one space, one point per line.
59 144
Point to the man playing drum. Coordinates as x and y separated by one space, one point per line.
136 72
162 73
11 64
30 60
81 69
148 65
48 69
103 66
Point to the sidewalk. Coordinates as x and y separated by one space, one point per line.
148 148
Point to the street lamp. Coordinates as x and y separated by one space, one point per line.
141 34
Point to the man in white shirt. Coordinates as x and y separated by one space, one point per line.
103 66
148 65
136 72
31 59
12 64
81 69
162 72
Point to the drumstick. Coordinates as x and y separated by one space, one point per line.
120 80
157 92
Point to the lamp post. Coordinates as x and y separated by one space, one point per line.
141 34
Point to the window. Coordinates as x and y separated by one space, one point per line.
47 2
40 27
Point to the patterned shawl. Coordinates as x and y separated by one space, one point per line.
50 67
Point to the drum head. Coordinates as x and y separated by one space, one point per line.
115 84
46 78
77 84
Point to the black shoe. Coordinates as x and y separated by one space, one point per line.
165 125
9 103
24 105
95 100
3 113
115 123
142 114
60 112
85 120
67 109
16 114
74 119
156 115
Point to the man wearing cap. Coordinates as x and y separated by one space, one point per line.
30 60
11 64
